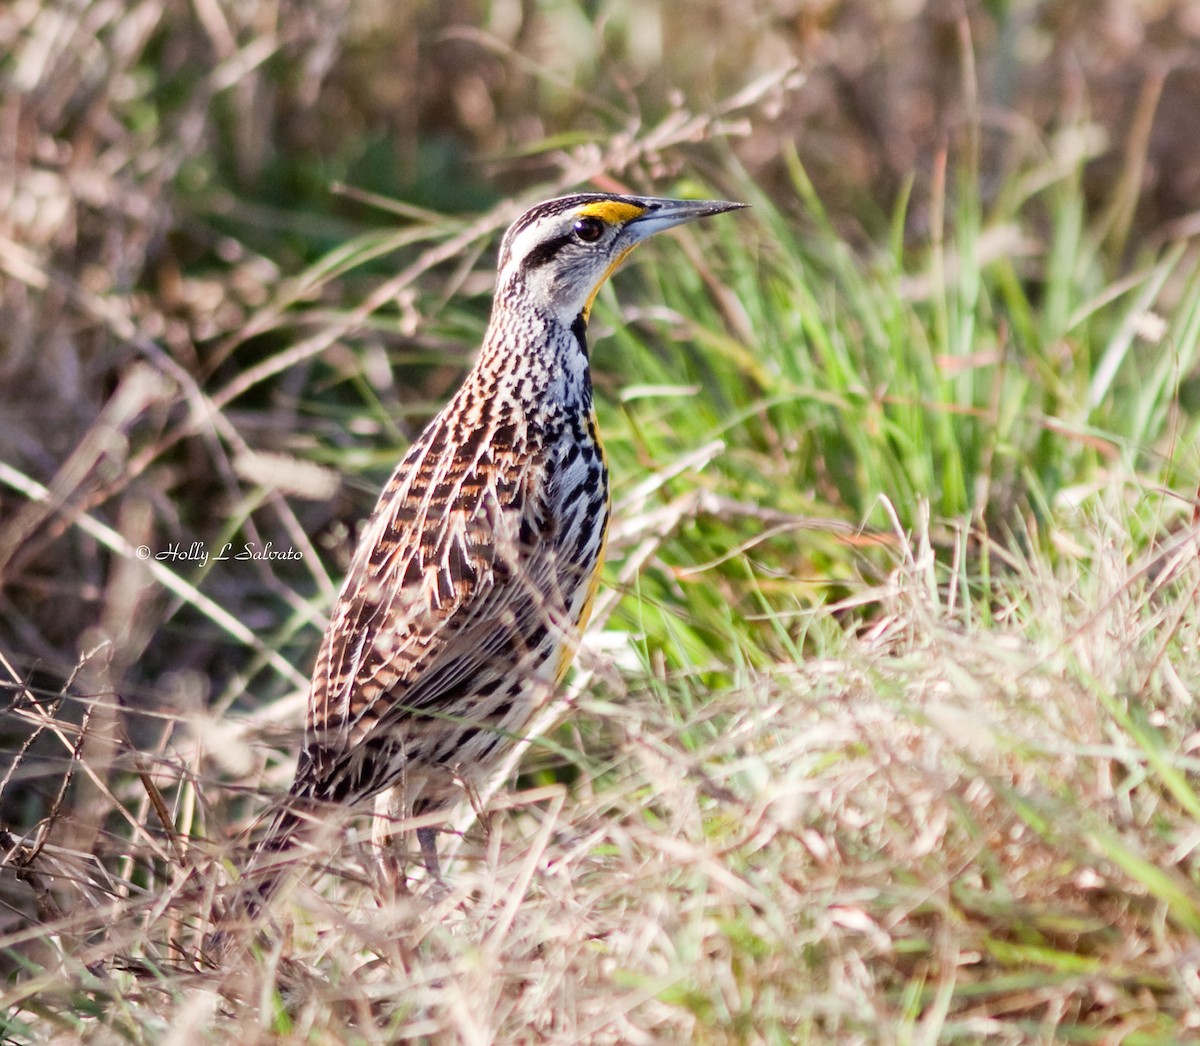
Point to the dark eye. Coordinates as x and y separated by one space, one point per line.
589 230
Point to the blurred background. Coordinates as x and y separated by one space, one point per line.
242 260
887 717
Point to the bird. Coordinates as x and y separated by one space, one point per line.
476 572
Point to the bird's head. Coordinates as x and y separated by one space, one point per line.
557 255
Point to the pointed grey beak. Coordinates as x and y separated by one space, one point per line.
666 214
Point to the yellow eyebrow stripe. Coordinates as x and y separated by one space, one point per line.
612 211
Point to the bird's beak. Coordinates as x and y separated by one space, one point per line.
663 214
656 215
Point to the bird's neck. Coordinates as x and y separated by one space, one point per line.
536 362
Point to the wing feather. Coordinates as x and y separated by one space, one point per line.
445 593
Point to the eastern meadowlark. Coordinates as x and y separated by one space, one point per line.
477 569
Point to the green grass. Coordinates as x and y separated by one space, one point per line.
885 728
925 777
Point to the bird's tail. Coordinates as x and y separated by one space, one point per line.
267 870
270 862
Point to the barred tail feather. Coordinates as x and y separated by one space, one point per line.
264 874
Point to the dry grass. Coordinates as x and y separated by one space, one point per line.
816 783
945 829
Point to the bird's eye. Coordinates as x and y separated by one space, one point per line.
589 230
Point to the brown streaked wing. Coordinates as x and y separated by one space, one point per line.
396 646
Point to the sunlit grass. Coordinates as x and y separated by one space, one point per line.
885 728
